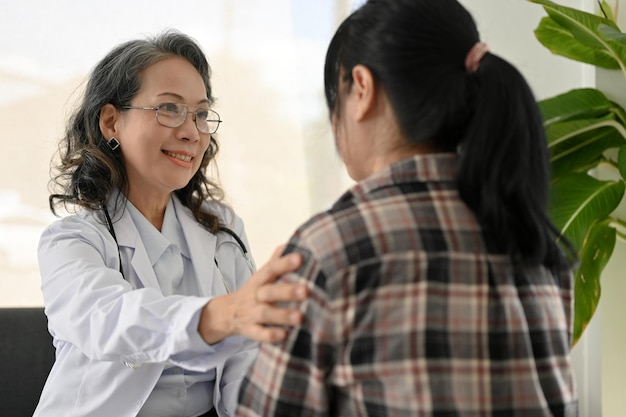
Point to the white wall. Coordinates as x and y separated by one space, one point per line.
612 308
267 59
508 25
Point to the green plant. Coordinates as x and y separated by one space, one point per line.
586 134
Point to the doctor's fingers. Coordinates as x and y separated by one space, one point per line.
277 266
260 323
276 316
266 334
281 292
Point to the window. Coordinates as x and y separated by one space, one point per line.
277 161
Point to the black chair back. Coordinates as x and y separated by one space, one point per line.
26 356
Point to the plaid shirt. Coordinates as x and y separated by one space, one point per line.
410 315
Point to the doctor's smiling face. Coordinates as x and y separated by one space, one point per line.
160 159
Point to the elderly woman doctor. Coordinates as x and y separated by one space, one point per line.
150 293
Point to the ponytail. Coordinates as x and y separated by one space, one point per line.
503 172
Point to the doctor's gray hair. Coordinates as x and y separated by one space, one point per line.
89 171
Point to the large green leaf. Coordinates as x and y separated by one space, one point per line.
595 253
583 28
578 200
621 161
584 151
565 134
615 38
581 103
560 41
581 126
581 24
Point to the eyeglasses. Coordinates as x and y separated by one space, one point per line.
175 114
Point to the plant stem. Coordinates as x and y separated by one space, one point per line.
602 9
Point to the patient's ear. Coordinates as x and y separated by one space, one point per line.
109 115
364 87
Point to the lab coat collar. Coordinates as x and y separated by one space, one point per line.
130 243
128 237
200 242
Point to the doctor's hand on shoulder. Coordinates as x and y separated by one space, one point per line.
250 311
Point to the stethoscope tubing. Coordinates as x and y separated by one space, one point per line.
224 229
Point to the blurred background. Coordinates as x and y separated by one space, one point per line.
277 162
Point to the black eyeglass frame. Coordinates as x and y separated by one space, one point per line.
183 116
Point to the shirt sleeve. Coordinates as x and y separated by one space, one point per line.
290 379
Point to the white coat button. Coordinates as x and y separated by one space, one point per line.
132 365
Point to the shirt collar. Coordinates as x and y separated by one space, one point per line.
157 242
432 167
173 230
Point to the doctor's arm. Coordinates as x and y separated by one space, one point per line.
250 311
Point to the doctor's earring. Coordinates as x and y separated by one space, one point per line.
113 143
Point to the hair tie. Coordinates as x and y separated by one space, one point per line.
474 56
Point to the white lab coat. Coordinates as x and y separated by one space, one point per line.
113 336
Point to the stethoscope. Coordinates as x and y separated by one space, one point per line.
224 229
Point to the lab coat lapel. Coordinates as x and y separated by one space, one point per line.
201 244
129 241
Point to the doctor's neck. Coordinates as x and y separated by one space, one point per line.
152 206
